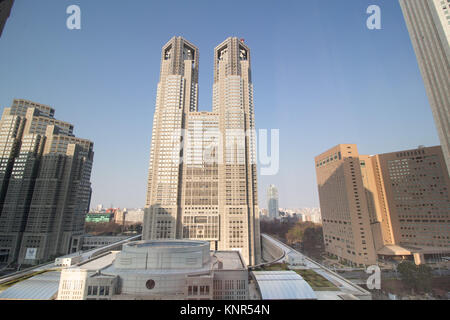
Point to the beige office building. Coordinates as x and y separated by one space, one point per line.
384 206
343 204
44 183
416 184
428 23
203 186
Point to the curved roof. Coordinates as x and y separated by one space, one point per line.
40 287
283 285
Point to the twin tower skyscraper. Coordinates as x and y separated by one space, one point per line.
202 181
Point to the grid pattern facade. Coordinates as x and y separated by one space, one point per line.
45 183
428 23
417 187
369 202
209 192
343 205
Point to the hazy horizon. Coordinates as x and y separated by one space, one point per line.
319 75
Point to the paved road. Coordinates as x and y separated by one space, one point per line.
341 282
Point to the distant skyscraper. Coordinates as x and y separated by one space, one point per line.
5 10
384 205
428 22
209 193
272 199
44 183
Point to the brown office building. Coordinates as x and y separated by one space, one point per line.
388 206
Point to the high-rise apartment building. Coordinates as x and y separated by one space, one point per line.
44 183
386 205
272 201
5 11
202 172
428 23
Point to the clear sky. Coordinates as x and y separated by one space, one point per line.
320 76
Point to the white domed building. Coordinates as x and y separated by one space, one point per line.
158 269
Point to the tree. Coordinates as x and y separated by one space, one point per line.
424 276
297 232
313 239
309 234
103 229
415 277
276 228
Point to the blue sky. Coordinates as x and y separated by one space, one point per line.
320 76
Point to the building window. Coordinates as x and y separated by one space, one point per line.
195 290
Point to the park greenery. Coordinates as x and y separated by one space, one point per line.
306 236
416 277
316 281
110 228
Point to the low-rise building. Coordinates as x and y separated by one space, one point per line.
68 261
92 242
129 216
99 217
149 270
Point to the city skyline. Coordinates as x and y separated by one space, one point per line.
254 151
287 86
